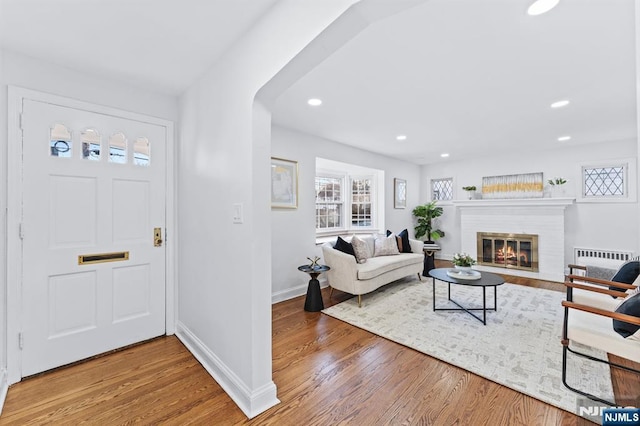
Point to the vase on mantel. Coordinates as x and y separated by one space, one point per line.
557 191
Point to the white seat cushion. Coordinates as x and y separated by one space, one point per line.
597 300
597 331
376 266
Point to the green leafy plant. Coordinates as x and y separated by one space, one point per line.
425 214
468 188
463 259
557 181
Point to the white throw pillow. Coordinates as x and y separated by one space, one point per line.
385 246
361 249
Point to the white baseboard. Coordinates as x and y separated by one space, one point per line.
251 401
4 387
290 293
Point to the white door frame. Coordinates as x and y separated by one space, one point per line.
14 213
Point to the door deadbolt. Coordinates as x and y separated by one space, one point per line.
157 237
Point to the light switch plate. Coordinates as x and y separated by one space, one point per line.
237 213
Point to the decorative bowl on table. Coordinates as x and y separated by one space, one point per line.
469 274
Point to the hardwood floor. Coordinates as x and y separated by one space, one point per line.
327 373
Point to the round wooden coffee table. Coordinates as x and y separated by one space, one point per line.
486 279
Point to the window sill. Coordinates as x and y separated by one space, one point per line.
331 237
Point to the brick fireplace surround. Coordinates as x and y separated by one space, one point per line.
539 216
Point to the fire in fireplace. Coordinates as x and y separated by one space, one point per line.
516 251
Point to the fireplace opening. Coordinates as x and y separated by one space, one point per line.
516 251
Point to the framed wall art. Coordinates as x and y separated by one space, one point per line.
284 183
527 185
399 193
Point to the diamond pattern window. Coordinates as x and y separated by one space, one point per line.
607 181
442 189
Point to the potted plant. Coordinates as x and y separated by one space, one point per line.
425 214
556 185
470 190
463 261
557 181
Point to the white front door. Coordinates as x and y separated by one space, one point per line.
94 191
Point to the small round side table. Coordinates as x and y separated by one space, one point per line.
313 302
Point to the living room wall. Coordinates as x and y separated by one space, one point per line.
293 230
609 225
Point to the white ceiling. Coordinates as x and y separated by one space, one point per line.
161 45
467 77
471 77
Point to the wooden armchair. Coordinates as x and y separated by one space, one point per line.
590 322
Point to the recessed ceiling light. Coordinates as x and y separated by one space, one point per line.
542 6
401 137
444 155
560 104
564 138
314 101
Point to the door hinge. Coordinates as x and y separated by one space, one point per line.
20 340
21 121
21 231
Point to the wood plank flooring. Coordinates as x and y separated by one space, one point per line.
327 373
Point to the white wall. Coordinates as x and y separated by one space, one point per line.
612 225
30 73
4 383
225 268
293 231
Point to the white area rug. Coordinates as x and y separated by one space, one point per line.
518 348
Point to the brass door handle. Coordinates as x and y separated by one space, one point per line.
157 237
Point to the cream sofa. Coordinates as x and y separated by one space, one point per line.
360 278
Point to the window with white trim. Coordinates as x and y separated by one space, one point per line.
442 189
329 203
347 198
361 201
604 181
609 181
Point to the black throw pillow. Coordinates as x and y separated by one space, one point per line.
626 274
630 306
344 247
403 241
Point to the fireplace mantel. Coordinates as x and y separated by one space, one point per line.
516 202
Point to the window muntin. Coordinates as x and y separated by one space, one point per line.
361 202
604 181
329 203
342 206
442 189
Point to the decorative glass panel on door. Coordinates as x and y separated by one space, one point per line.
142 152
60 141
90 144
118 148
